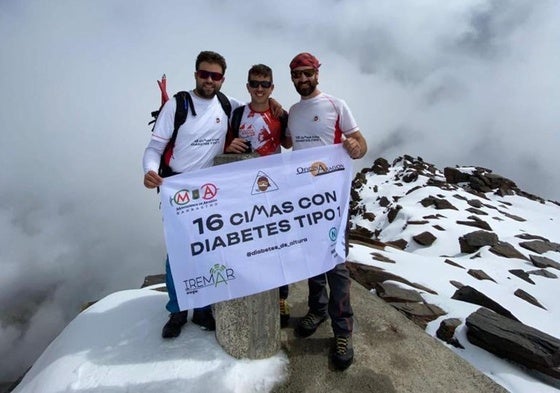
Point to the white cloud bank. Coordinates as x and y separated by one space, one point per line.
469 82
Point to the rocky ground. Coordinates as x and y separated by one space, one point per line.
457 216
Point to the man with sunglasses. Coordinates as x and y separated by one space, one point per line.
199 139
255 129
320 119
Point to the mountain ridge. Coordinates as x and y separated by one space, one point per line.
474 221
443 240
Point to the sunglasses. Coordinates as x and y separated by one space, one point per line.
263 84
296 74
203 74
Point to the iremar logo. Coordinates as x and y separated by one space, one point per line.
218 274
184 196
319 168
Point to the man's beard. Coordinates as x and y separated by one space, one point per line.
306 88
206 91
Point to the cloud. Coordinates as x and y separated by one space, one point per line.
470 82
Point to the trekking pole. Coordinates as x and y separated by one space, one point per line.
163 88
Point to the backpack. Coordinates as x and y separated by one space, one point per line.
184 102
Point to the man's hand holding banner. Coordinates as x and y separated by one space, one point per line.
249 226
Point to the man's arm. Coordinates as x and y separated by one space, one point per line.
285 138
355 144
275 107
286 142
152 180
150 161
161 134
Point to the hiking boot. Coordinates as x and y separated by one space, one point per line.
204 319
284 313
343 354
173 327
308 324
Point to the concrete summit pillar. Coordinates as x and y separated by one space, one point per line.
248 327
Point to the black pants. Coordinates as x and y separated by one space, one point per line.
283 291
337 303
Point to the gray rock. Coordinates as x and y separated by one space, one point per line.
543 273
513 216
538 246
384 202
419 313
478 223
470 295
480 274
153 280
369 276
450 262
506 250
380 166
410 176
475 203
514 341
399 243
528 236
522 275
382 258
393 293
520 293
446 331
457 284
424 238
417 222
360 232
471 242
455 176
438 203
544 262
393 213
476 211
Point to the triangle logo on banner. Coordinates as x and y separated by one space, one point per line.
263 183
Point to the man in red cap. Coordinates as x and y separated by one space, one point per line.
320 119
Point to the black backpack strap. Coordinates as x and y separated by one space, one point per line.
236 121
283 124
184 102
224 102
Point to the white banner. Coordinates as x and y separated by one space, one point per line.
242 228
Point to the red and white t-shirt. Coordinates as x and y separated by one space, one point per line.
262 130
319 121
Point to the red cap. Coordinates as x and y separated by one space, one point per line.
305 60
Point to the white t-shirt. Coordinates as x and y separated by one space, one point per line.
320 121
199 139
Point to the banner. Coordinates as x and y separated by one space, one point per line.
245 227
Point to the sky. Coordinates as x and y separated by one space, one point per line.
115 345
470 82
